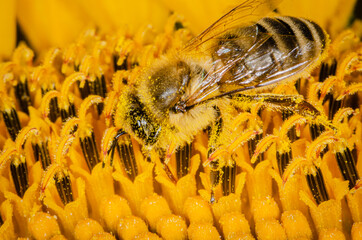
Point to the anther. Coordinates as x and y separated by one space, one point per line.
98 87
126 154
292 132
64 187
283 160
317 186
19 173
183 156
347 166
327 69
228 178
89 149
41 153
69 112
23 96
316 130
54 111
252 146
12 122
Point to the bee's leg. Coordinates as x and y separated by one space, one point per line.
183 156
214 135
293 103
214 178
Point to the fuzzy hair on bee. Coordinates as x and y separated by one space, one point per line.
244 52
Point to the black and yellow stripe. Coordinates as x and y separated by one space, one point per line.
269 51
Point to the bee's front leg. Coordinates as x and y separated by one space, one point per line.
221 172
287 103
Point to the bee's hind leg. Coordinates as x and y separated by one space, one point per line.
278 102
287 103
224 172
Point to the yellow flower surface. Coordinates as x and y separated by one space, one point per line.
91 149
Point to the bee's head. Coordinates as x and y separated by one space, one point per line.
141 122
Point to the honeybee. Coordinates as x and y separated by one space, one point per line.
243 52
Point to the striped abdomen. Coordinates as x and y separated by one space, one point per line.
269 51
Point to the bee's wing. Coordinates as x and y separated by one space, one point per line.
246 13
261 58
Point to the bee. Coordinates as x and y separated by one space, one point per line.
242 53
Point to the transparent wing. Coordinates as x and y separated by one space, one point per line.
246 13
250 57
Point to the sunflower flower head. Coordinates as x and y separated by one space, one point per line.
72 166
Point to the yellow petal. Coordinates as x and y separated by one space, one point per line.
50 23
7 228
7 28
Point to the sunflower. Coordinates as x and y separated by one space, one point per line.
68 171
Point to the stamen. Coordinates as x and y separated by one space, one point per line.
22 95
41 152
19 172
347 166
283 160
12 122
292 132
84 88
54 111
252 147
68 112
89 149
228 179
64 187
98 87
317 186
183 156
334 105
126 154
316 130
327 69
